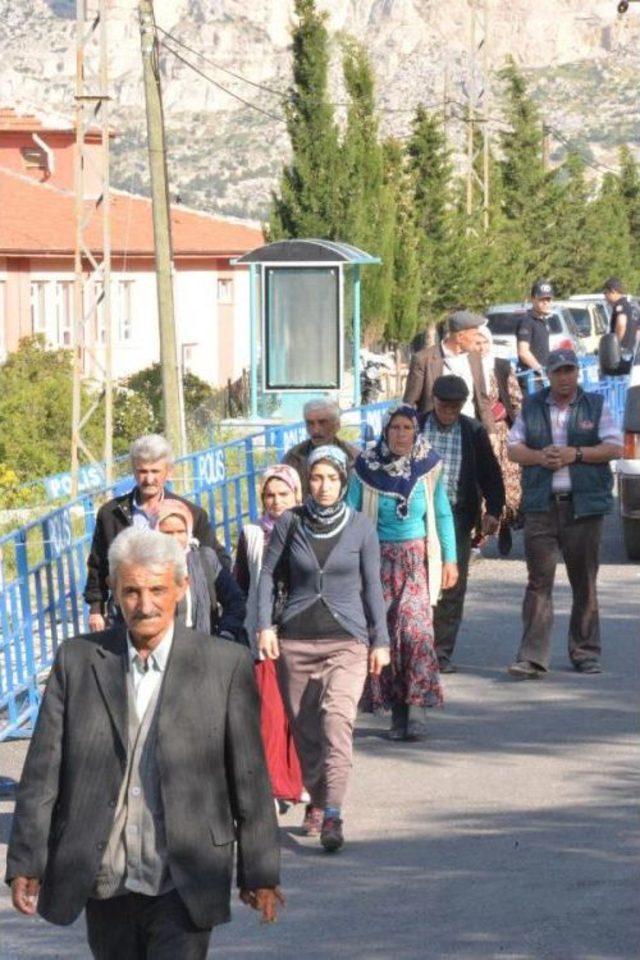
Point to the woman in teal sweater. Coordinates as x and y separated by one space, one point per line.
397 485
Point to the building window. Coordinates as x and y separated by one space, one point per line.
64 313
188 354
125 316
225 290
39 307
34 158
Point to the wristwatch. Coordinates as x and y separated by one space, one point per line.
579 455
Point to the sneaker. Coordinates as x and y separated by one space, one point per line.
588 666
331 836
524 670
312 823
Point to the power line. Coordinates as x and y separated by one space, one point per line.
205 76
218 66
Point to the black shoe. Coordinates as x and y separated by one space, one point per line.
331 836
505 540
588 666
445 666
399 720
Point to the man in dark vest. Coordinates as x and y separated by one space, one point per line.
564 439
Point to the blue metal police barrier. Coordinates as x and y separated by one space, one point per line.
43 564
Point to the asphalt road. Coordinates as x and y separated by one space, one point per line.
510 833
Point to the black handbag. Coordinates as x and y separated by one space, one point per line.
281 574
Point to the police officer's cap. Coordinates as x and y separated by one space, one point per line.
542 288
561 358
449 387
464 320
613 284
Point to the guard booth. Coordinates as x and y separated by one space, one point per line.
305 323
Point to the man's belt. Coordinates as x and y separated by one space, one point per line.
562 497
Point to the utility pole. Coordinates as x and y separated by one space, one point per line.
92 340
171 370
477 93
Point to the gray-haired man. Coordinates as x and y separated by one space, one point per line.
151 463
322 418
145 767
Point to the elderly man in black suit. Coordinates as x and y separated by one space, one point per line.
145 767
151 464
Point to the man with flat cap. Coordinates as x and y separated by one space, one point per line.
532 334
564 439
458 355
472 478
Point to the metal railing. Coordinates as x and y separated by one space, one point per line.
43 564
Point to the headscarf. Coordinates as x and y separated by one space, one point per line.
175 508
396 476
319 521
198 586
290 477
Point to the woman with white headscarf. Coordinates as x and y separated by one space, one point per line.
505 398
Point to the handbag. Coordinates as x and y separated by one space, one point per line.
281 575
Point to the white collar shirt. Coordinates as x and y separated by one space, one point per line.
147 675
457 364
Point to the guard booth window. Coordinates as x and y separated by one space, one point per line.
302 334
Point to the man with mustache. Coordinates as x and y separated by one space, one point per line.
322 419
145 768
151 464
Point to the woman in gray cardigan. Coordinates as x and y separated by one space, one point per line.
332 630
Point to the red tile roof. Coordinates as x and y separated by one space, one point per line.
38 219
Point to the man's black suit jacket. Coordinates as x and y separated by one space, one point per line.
116 515
214 782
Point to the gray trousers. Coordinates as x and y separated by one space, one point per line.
321 683
136 927
548 537
447 615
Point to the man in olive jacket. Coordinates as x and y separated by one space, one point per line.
145 767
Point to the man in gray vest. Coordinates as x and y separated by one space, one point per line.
145 767
564 439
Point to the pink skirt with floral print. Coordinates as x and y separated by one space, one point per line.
413 676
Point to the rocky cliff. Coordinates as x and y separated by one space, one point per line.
582 60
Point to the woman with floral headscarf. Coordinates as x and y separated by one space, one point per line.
280 490
332 630
397 484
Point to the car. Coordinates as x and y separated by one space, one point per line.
591 319
628 467
503 320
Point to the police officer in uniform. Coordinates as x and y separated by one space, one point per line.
624 322
533 330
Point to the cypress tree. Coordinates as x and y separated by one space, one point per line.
403 317
630 193
610 237
367 211
307 202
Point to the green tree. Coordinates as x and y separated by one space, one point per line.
35 411
404 310
610 237
570 244
306 204
523 175
630 192
368 210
